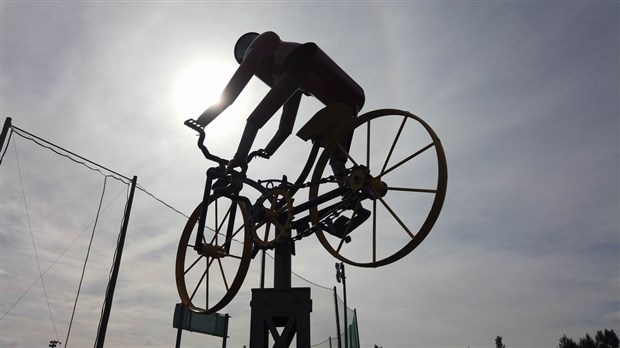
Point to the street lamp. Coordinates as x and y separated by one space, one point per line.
340 276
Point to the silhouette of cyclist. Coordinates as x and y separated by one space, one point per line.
291 70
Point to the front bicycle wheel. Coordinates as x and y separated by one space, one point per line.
396 182
208 279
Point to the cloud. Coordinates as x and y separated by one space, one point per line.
523 97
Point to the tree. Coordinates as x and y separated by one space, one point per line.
606 339
498 342
587 342
567 342
602 339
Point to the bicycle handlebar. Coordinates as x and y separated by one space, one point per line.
191 123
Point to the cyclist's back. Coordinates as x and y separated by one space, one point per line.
290 69
271 59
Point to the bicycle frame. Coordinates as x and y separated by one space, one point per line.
239 179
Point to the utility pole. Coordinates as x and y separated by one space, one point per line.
340 275
5 130
109 296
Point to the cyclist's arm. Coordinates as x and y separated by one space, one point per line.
283 90
235 86
287 121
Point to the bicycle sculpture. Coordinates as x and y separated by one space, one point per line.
374 210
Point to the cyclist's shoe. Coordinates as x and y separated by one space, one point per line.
339 227
340 171
328 226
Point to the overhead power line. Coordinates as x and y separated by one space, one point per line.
34 245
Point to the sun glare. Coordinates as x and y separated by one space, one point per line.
200 86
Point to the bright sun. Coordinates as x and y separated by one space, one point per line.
200 86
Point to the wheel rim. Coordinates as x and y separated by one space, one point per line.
208 281
404 187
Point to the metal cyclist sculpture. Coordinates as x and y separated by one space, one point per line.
385 191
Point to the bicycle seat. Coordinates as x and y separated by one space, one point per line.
326 123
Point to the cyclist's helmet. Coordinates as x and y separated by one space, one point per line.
243 44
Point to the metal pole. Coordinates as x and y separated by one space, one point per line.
225 337
179 322
262 270
5 131
357 327
282 266
337 319
340 275
179 332
346 309
109 296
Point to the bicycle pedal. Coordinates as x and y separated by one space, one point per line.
337 228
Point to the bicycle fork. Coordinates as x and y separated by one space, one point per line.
213 173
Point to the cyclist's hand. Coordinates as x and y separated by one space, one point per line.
237 163
259 153
209 115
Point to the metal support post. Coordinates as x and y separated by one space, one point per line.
337 319
282 266
340 275
5 131
282 306
285 308
109 296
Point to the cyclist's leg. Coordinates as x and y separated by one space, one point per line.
287 121
339 157
344 225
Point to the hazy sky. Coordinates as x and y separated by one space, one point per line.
524 96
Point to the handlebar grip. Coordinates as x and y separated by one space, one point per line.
193 124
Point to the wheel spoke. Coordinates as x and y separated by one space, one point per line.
218 228
209 263
198 284
340 244
374 231
407 189
396 217
407 159
232 237
219 262
394 143
266 234
368 144
347 153
193 264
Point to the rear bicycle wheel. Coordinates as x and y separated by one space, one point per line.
397 174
